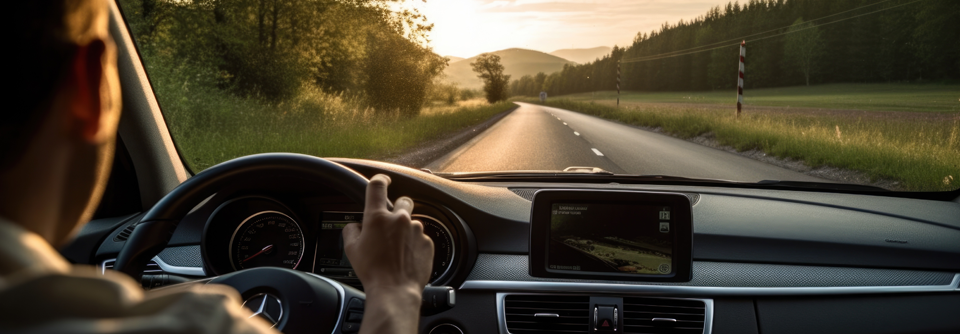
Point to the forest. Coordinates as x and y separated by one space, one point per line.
273 50
788 43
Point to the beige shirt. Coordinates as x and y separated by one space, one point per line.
40 292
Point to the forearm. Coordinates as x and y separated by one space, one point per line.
394 311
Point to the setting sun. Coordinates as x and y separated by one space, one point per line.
465 28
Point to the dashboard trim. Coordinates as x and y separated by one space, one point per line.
502 323
172 269
696 291
164 267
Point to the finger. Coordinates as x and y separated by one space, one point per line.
403 205
417 227
377 193
351 233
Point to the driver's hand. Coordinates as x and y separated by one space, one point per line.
389 252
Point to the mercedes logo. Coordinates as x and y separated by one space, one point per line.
266 306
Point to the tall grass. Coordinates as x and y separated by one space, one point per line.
923 155
210 125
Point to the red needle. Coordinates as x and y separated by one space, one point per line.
269 247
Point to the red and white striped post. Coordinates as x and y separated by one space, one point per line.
743 52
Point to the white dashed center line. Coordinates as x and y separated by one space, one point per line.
597 152
576 133
564 123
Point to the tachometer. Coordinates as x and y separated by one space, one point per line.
443 245
332 262
267 238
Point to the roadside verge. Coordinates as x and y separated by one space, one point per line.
420 156
896 153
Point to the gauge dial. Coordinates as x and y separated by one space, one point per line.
267 238
443 246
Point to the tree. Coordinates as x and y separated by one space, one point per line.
803 46
904 40
271 49
399 73
490 70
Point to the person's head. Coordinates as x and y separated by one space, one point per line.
60 113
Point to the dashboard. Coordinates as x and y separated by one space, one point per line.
251 231
768 261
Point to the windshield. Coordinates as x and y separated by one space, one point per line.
836 91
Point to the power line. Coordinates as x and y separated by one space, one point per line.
768 31
849 18
672 53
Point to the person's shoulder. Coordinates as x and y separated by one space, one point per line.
76 302
24 253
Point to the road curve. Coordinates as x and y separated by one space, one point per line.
535 137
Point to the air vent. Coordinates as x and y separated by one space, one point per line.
547 314
661 315
152 267
125 234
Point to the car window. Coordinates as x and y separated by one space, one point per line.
835 91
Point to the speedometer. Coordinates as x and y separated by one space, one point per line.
267 238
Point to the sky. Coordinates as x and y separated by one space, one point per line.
465 28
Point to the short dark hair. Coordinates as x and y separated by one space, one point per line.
44 35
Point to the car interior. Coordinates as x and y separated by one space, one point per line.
731 258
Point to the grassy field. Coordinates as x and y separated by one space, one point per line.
210 126
880 97
921 153
206 139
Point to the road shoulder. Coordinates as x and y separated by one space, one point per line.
420 156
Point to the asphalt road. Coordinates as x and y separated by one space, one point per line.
542 138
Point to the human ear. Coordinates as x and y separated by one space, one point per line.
86 105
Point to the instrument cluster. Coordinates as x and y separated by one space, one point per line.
257 231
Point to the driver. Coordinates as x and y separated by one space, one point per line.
57 133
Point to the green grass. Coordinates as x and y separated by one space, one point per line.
922 155
210 126
880 97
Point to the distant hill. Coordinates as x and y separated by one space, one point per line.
453 59
582 56
516 63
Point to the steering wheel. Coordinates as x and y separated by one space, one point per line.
295 301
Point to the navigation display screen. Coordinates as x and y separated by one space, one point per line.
611 238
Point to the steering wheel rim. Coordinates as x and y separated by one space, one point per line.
155 229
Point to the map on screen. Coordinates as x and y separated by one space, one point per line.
618 238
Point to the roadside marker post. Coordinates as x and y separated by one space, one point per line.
618 84
743 52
